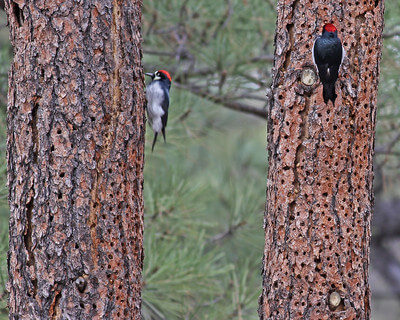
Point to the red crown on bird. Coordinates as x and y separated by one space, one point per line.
329 27
166 73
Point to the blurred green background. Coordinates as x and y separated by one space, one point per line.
205 189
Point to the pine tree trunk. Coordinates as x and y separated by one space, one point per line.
319 190
75 159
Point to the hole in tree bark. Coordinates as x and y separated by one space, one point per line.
19 16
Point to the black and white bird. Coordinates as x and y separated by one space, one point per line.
157 94
328 54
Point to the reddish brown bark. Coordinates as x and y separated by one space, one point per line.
319 190
75 159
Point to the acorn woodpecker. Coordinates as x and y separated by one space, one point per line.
157 94
328 54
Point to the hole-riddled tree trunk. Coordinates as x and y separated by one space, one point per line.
75 159
319 190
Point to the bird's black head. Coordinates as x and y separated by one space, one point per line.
160 75
329 31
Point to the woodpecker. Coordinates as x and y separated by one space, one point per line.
157 94
328 55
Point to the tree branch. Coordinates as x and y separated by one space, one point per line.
387 265
387 149
386 211
225 18
224 101
391 34
227 232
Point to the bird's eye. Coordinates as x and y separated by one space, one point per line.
157 74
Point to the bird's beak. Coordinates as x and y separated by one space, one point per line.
150 74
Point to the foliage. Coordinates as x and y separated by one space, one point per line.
388 126
186 37
202 189
221 51
203 214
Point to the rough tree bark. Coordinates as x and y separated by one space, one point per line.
319 189
75 159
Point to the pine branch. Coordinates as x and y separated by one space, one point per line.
227 232
387 265
391 34
224 100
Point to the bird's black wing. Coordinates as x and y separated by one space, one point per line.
327 55
337 52
164 117
165 106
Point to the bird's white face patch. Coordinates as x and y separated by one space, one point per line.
157 76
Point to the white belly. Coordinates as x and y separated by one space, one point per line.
155 96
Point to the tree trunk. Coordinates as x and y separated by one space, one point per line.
75 159
319 190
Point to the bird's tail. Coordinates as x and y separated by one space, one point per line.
328 92
163 133
154 141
